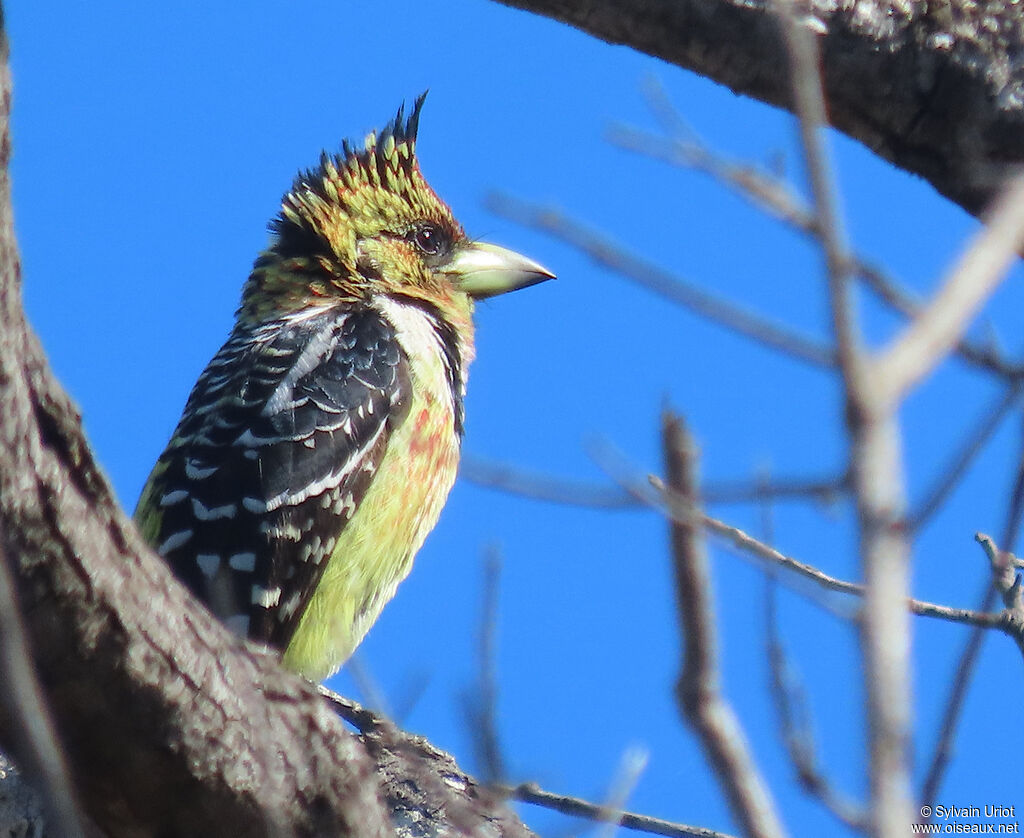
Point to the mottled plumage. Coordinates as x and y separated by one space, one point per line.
317 448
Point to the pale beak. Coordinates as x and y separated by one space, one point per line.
486 270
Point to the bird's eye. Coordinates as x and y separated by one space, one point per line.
430 239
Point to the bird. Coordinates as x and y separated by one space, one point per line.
317 448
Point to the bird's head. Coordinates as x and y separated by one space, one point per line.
364 223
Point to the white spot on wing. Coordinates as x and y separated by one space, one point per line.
245 562
171 498
288 531
290 606
208 563
204 513
174 541
254 505
344 505
247 439
266 597
197 470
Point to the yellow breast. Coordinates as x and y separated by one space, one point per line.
376 549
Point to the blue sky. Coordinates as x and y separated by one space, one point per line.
153 145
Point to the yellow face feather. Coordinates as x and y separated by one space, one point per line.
348 228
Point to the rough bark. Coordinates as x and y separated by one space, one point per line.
170 725
935 87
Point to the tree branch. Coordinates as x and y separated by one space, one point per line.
930 336
698 690
934 88
707 306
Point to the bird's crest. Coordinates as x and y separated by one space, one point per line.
386 161
351 196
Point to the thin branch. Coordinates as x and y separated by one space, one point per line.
826 490
791 702
483 706
1011 527
921 608
773 195
950 476
536 485
698 690
1004 575
602 251
984 357
808 99
876 465
975 276
579 808
366 721
35 740
1004 579
653 491
794 719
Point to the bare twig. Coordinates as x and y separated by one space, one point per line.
950 477
483 706
729 315
653 491
22 701
876 463
579 808
545 487
984 357
366 721
1004 575
794 718
978 272
791 702
774 195
921 608
968 658
1004 580
819 490
1011 527
805 81
698 690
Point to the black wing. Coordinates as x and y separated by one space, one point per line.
279 441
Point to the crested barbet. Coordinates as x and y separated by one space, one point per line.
318 446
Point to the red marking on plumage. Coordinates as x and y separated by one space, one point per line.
426 436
